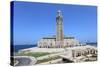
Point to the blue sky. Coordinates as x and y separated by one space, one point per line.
32 21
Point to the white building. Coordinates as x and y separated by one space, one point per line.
58 41
50 42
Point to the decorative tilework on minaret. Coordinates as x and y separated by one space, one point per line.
59 30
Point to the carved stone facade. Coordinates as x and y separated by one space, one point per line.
50 42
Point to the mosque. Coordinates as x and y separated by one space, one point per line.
59 40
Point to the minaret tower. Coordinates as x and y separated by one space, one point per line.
59 31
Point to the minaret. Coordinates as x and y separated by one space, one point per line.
59 31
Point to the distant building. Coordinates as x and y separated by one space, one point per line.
58 41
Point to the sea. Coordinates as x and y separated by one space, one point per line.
16 48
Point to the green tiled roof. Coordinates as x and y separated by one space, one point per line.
55 37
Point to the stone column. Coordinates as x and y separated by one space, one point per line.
73 53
